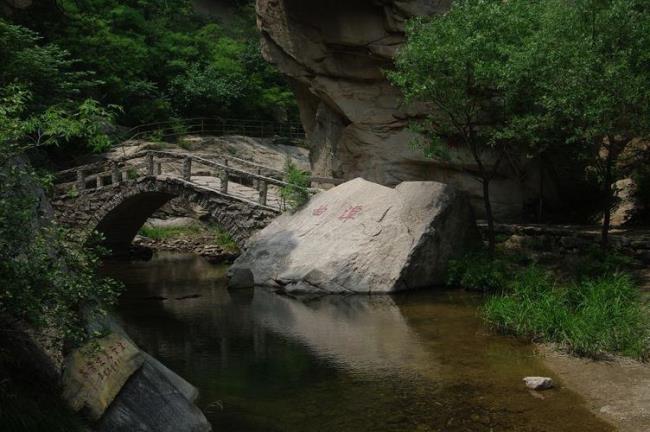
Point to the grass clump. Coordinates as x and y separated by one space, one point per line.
224 239
590 317
169 233
210 234
587 303
296 192
479 272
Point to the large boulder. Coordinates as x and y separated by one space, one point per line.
365 238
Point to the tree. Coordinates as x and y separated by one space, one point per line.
41 103
593 68
46 277
458 66
164 60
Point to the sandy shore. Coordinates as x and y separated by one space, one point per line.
616 390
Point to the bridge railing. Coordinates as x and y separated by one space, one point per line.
292 131
99 174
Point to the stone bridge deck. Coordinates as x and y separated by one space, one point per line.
116 197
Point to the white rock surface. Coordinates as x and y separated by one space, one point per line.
538 383
365 238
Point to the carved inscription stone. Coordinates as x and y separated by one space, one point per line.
95 373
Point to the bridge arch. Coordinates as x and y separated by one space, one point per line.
119 211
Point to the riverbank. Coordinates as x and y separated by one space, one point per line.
616 390
187 235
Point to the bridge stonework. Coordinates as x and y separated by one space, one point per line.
118 211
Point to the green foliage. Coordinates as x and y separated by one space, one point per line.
596 262
40 104
590 318
296 192
479 272
513 80
132 173
219 236
460 64
46 276
162 59
169 233
600 47
224 239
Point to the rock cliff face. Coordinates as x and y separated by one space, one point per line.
334 53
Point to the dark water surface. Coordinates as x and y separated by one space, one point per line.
263 362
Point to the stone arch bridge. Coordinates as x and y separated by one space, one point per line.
116 197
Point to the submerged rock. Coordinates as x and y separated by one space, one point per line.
538 383
240 277
363 237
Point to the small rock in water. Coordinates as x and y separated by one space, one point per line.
538 383
240 278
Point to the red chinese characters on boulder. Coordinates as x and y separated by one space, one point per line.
350 213
320 210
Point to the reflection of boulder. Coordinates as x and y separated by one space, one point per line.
365 334
364 237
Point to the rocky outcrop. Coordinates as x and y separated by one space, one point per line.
361 237
335 54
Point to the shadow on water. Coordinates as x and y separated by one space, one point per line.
414 362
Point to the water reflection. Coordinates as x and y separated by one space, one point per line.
361 333
264 362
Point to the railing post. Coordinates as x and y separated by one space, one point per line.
100 181
150 165
257 182
81 180
262 197
116 176
158 168
187 168
224 181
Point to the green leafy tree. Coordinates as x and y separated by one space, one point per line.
41 103
163 60
592 64
457 65
46 277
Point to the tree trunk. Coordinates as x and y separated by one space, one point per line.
488 215
540 203
609 199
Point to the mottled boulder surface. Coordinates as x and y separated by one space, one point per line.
363 237
335 54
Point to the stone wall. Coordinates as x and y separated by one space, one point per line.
335 54
575 240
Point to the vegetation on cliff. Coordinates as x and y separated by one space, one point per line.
156 60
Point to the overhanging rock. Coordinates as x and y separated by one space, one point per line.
361 237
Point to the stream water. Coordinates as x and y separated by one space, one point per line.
420 361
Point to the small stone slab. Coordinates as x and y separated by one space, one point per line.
538 383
